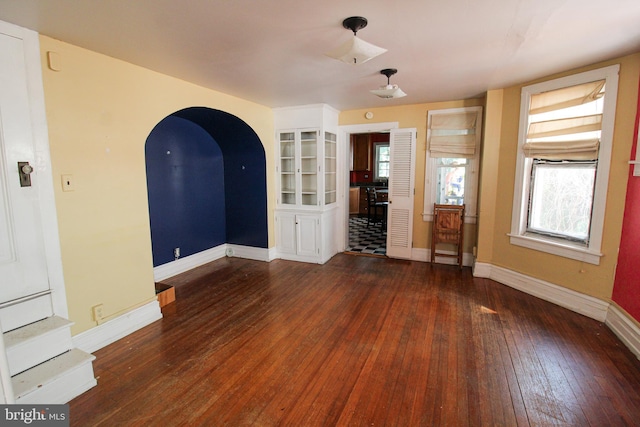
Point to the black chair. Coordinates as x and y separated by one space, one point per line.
376 210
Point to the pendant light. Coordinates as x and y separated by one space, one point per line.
389 90
355 50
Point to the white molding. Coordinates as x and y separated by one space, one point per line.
190 262
472 176
482 270
586 305
181 265
344 133
523 166
557 248
624 327
112 330
40 133
249 252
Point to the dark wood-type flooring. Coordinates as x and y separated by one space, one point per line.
360 341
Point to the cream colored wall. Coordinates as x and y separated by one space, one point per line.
594 280
415 116
100 111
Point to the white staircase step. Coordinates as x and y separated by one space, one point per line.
55 381
14 314
36 343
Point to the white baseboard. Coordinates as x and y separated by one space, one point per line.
481 269
112 330
249 252
622 324
181 265
586 305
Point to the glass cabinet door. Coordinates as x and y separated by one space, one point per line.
309 167
329 168
287 168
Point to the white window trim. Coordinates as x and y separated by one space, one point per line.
376 167
518 235
430 178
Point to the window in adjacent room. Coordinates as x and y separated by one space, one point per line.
382 158
453 146
566 126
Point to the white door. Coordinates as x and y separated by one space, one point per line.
402 144
23 269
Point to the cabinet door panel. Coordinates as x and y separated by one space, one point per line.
361 150
307 227
287 233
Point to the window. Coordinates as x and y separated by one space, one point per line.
566 128
382 162
453 145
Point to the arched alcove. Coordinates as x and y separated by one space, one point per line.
206 183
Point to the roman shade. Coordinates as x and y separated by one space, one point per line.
453 135
565 135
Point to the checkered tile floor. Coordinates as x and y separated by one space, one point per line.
366 240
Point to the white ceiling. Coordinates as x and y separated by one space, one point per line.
273 51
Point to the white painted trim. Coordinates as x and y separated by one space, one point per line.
190 262
578 302
112 330
523 167
481 269
181 265
42 165
249 252
430 177
45 189
6 387
625 327
344 133
563 249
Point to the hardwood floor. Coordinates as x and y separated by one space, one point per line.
360 341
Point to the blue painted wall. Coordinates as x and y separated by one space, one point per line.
210 189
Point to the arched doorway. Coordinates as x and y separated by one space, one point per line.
206 183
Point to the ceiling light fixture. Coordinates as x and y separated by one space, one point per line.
356 51
389 90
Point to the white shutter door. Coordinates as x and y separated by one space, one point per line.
401 192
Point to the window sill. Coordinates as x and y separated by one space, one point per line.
556 248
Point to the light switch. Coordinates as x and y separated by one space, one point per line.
68 184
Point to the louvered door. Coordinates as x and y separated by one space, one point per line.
401 193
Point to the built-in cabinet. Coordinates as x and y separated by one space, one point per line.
361 152
307 182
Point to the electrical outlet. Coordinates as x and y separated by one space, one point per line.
176 253
98 312
68 183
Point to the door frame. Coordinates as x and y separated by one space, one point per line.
42 166
344 135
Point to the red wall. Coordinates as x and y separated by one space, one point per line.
626 288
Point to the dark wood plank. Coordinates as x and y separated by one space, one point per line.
360 341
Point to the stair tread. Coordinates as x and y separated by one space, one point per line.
33 330
49 371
